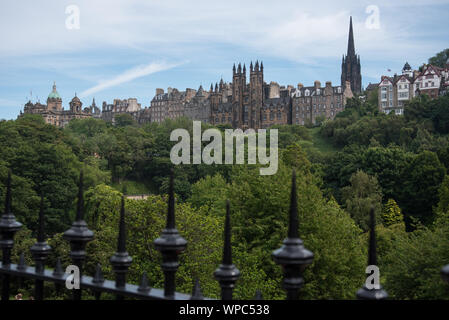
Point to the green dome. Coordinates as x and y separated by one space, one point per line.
54 94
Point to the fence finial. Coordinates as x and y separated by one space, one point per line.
8 225
445 273
98 276
143 286
375 293
227 248
227 273
171 202
40 233
8 194
80 203
22 263
292 255
78 236
170 244
372 256
196 292
58 272
121 247
293 218
121 260
258 295
40 250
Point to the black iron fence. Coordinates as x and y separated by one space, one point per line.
292 256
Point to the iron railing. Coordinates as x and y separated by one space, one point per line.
292 256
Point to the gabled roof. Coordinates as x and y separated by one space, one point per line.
390 79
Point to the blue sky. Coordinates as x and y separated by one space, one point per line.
128 48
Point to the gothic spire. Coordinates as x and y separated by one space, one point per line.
351 47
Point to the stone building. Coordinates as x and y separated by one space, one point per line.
53 112
199 107
129 106
251 105
309 103
350 65
170 105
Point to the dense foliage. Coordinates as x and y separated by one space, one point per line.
362 159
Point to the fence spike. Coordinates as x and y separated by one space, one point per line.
8 194
121 260
80 203
170 244
121 247
98 277
8 225
78 236
171 203
372 256
293 217
292 255
258 295
196 292
143 286
375 293
227 248
22 263
227 273
58 272
445 273
40 233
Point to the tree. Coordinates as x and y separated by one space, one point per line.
440 59
422 180
259 206
123 120
391 213
363 194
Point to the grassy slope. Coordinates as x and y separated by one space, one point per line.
320 143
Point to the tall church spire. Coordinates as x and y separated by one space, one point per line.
350 65
351 48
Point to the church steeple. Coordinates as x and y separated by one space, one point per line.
351 47
350 65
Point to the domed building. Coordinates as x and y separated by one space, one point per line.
53 112
54 101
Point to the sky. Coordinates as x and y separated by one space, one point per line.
107 49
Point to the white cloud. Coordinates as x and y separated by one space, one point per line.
295 30
129 75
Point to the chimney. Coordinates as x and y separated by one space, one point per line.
300 86
159 91
317 84
328 84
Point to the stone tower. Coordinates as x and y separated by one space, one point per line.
54 101
256 94
350 65
238 89
76 105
